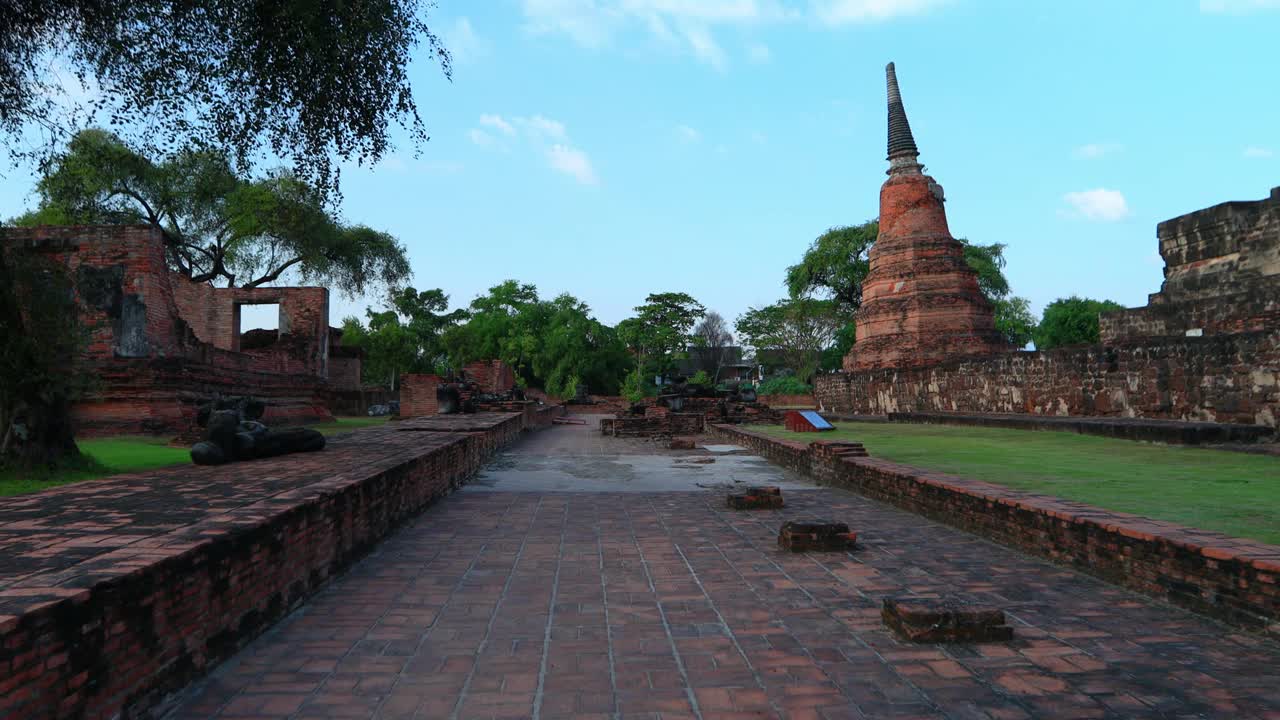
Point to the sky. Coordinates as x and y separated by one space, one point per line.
616 148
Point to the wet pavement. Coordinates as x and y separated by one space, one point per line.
589 577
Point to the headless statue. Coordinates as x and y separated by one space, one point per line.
234 433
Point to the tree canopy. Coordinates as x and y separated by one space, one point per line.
712 336
219 226
405 338
1071 321
797 330
661 329
553 344
307 80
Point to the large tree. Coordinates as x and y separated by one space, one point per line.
306 80
1071 321
405 338
219 226
797 330
42 337
713 339
660 329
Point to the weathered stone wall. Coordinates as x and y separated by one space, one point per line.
151 366
418 395
1222 275
1225 378
1229 578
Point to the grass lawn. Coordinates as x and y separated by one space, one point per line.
109 456
347 424
1233 493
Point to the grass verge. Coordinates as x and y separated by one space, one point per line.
1229 492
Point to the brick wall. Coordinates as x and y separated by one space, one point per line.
418 395
493 376
147 619
774 401
1228 578
1227 378
344 373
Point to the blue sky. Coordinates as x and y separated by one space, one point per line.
613 148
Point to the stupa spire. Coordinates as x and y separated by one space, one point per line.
902 146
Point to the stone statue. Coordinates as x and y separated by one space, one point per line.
234 433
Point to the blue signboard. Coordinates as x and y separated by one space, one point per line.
816 420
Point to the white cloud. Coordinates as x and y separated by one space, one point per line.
845 12
464 44
1253 151
759 52
496 122
1097 150
1237 6
572 161
1100 204
684 24
480 137
543 127
687 134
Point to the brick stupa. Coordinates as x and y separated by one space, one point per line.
920 301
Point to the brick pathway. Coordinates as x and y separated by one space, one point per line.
668 605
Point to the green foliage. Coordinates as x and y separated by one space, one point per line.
988 262
833 357
700 378
660 329
406 338
1014 320
555 344
317 82
835 265
218 225
784 385
798 330
43 338
633 387
1071 321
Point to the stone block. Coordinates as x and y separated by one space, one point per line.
681 443
945 620
767 497
821 536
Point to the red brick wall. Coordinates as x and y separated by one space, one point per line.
344 373
1228 378
418 395
157 617
1231 579
493 376
807 401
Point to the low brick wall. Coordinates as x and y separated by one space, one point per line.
654 425
1228 578
145 581
777 401
1178 432
418 395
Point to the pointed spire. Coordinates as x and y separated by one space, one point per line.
902 146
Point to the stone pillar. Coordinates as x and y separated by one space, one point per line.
920 302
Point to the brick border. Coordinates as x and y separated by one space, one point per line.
1231 579
115 644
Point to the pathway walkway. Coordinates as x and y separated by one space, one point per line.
541 591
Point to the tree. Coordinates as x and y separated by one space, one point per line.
1014 321
835 265
406 338
712 336
1071 321
39 381
305 80
797 329
218 226
660 329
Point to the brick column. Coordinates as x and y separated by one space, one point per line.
418 395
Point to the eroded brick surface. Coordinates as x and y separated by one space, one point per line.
595 605
768 497
938 620
798 536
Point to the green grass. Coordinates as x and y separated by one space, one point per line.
347 424
106 456
1233 493
115 455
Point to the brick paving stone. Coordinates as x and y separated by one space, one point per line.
670 605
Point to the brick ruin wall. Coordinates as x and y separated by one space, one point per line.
493 376
1222 275
1228 578
1225 378
418 395
153 366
